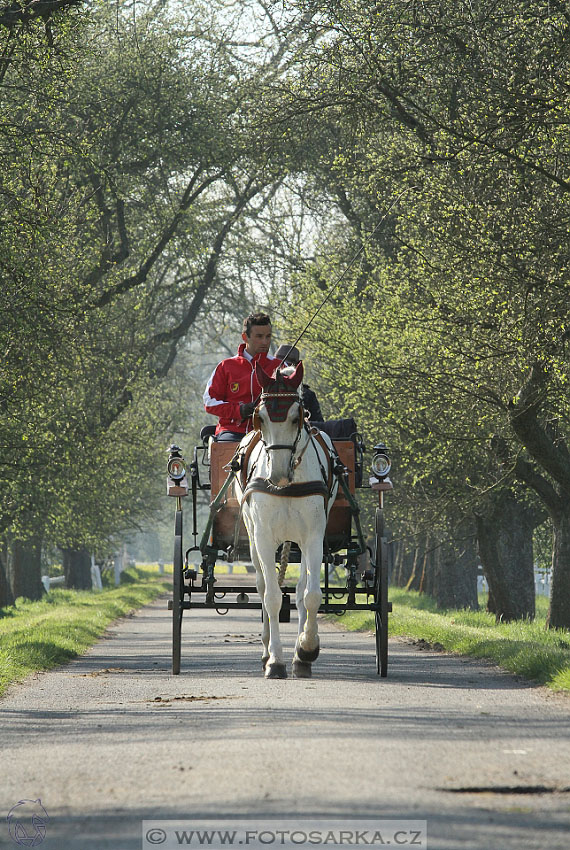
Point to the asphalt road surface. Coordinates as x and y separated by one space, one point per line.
112 740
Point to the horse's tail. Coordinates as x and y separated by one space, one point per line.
284 563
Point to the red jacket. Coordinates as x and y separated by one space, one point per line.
232 383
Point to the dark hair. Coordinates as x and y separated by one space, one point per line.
255 319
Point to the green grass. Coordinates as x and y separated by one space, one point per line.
41 635
523 647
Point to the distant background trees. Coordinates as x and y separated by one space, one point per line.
131 160
167 167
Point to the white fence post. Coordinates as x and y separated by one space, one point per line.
542 582
118 567
95 574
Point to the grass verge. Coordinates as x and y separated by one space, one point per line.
40 635
523 647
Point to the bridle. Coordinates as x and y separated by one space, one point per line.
278 396
292 447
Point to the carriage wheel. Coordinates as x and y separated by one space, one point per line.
381 595
177 594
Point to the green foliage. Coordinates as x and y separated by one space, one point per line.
436 133
129 157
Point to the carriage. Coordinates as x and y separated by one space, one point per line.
221 470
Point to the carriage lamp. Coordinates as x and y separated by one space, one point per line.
381 463
176 468
177 484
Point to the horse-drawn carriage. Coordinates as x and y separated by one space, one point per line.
285 494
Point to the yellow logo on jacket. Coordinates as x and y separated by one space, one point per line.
234 387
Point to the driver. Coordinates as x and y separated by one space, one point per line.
232 390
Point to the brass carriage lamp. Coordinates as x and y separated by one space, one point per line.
177 483
381 463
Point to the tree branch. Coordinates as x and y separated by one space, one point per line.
526 473
190 195
179 330
523 416
14 13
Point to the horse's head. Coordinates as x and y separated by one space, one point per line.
279 416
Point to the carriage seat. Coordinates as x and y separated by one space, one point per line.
338 429
207 432
345 429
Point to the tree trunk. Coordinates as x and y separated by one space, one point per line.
427 583
549 451
77 568
6 595
414 580
504 536
455 578
559 610
406 562
26 569
468 567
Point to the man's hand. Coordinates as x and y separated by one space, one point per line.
246 409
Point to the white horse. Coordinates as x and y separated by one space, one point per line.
290 487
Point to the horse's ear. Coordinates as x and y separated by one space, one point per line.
295 379
263 378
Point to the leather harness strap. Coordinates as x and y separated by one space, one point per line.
317 435
307 488
246 454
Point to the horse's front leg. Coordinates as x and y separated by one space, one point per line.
260 584
307 648
300 594
301 669
272 599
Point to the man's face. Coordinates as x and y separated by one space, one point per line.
258 340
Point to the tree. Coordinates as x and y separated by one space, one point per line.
130 157
17 13
468 109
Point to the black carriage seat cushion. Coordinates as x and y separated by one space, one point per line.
343 429
207 432
338 429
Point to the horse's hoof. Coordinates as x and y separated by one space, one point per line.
275 671
301 669
308 656
264 660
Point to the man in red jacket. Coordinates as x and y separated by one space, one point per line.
232 390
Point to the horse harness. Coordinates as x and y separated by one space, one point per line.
323 488
278 404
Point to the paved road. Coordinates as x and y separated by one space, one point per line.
112 739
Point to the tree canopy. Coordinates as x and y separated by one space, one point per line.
166 166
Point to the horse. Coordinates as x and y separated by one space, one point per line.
285 495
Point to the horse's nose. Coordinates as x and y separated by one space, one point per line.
279 482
